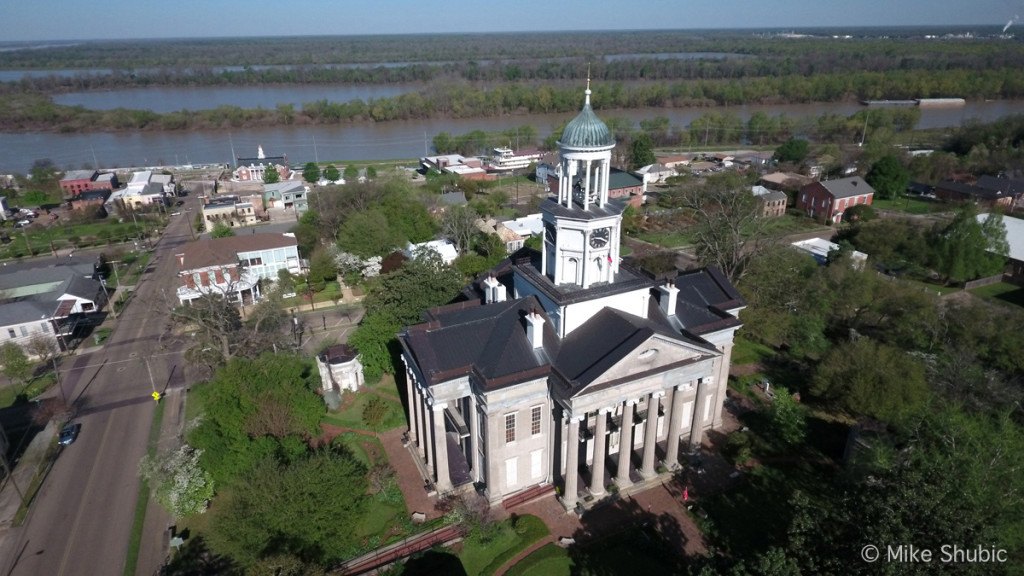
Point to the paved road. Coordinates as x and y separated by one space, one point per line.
81 520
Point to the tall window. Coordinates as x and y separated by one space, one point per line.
535 420
510 428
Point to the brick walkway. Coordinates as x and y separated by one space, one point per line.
408 474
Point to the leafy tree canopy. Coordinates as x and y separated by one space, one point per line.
294 509
263 407
222 230
794 150
270 176
331 173
311 172
888 177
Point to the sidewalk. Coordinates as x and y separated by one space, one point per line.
154 546
10 500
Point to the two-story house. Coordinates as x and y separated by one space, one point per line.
235 266
827 200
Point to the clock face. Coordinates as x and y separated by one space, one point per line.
599 237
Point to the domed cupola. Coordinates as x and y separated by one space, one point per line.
586 130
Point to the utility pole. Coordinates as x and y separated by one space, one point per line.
56 373
113 306
7 468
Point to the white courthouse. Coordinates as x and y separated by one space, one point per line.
565 367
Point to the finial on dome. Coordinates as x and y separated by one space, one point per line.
587 93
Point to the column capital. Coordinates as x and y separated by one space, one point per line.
657 394
632 402
684 386
607 410
707 380
437 406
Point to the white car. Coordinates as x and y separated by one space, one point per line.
22 223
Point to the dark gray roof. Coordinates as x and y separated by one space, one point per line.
487 341
16 275
704 297
1005 185
82 287
605 340
24 310
847 187
586 130
773 196
969 190
78 175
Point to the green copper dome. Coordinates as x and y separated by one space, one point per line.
586 130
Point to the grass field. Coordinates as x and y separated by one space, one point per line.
1001 292
483 558
910 205
350 414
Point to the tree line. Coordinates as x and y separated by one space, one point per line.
23 112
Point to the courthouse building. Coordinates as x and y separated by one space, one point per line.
567 367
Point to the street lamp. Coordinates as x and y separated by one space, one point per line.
309 292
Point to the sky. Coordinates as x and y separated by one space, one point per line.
37 20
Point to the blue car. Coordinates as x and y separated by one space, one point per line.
69 433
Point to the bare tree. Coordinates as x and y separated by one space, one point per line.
729 229
459 225
42 347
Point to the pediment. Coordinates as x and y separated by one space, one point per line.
644 357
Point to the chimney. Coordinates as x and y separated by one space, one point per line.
494 291
535 329
667 298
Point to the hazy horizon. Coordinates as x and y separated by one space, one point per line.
188 19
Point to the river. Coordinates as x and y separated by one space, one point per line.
376 141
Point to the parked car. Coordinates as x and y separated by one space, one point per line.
69 433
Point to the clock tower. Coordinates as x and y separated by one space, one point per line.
581 226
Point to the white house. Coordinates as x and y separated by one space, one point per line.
234 266
443 248
515 232
48 302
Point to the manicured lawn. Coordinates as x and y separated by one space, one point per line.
550 560
667 239
350 414
635 551
1002 292
9 394
481 558
910 205
748 352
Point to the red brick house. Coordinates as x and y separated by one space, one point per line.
75 182
621 184
826 201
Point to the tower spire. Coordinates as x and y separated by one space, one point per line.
587 93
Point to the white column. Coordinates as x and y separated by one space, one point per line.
723 379
586 188
697 427
474 437
428 432
410 395
651 433
597 468
625 445
572 462
674 424
444 482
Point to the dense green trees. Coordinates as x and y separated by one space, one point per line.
398 299
311 172
888 177
969 249
331 173
264 407
794 150
270 176
641 152
296 508
221 230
